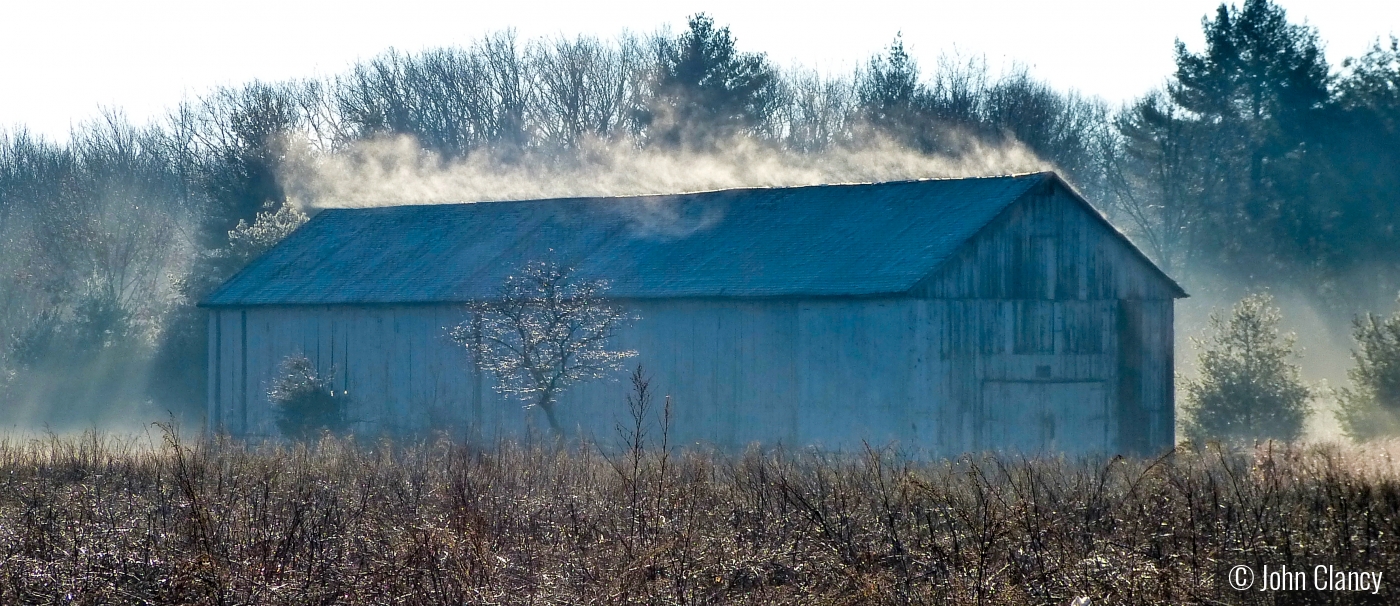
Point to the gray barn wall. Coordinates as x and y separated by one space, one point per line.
801 372
1051 246
1044 330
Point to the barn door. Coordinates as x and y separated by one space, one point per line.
1044 416
1082 413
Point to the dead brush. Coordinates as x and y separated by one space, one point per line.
92 519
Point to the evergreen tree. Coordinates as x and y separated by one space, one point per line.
1357 193
1257 88
1371 407
891 99
1248 388
1372 82
889 90
306 403
708 90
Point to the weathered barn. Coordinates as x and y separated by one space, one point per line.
947 315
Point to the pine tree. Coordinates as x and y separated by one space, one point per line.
1248 388
1371 407
306 402
889 90
1257 90
1359 192
707 89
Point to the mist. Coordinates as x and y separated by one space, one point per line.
399 171
108 240
1322 330
1322 343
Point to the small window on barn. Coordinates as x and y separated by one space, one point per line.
1035 327
1085 325
1046 251
973 328
1037 262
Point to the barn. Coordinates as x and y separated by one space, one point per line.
944 315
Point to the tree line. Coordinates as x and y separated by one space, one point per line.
1255 161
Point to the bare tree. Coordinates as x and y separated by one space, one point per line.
818 110
110 233
545 331
584 88
1153 177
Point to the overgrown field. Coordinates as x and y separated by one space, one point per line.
97 520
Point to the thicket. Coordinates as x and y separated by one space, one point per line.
93 520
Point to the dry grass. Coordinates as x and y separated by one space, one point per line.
93 520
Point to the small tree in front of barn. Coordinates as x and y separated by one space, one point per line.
1370 408
1248 388
544 331
306 402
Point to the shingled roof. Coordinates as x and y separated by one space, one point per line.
823 240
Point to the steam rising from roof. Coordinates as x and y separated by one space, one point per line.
397 171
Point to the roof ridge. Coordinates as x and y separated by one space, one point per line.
700 191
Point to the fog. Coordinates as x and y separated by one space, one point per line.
1323 333
399 171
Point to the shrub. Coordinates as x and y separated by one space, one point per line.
1249 388
306 403
1371 407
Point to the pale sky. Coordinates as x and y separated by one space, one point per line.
63 60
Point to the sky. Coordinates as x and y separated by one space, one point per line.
63 61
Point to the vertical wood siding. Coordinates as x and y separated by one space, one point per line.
1046 247
1076 292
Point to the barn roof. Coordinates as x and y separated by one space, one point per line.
823 240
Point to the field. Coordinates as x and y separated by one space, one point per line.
164 520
